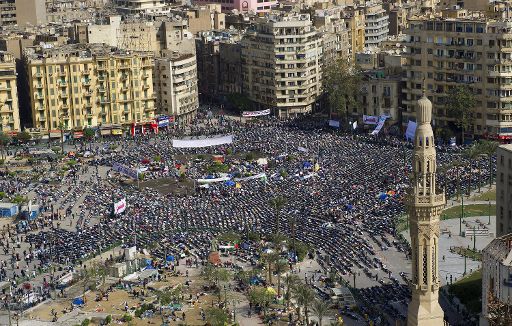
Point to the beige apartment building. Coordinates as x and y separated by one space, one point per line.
355 24
9 110
282 64
22 12
454 51
89 85
176 86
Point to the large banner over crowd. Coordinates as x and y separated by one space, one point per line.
132 173
204 142
411 130
248 114
382 120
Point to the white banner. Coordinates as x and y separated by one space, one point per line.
120 206
212 180
370 119
257 176
255 113
205 142
411 130
382 120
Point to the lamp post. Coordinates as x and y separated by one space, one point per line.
489 211
461 216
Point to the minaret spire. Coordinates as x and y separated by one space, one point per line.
425 204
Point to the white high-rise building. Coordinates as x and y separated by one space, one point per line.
376 24
282 64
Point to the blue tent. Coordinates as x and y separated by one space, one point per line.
78 301
229 183
209 177
383 196
307 165
170 258
349 207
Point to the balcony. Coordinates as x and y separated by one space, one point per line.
63 84
87 82
124 77
145 76
43 118
88 94
39 86
102 90
38 75
39 96
63 95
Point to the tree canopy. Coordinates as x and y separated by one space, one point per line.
342 82
460 105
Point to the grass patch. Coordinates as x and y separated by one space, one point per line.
489 195
469 210
469 291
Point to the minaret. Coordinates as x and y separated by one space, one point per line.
425 204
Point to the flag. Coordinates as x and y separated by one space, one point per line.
238 185
317 167
354 125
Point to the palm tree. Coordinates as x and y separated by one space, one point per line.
457 164
278 204
304 296
280 267
471 154
320 309
489 148
292 223
290 281
270 259
4 142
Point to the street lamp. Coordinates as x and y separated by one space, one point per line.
61 125
489 210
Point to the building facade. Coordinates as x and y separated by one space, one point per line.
471 52
255 6
282 65
504 190
9 109
424 205
219 64
496 276
141 7
176 86
79 86
376 24
22 12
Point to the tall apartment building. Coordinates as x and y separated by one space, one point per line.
21 12
376 24
355 24
88 85
472 52
9 110
282 64
176 86
496 276
219 64
504 190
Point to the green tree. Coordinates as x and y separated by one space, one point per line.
5 139
216 316
290 282
342 83
277 203
89 134
304 296
261 296
460 105
320 309
23 136
217 277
